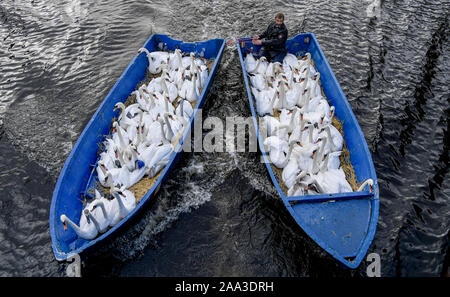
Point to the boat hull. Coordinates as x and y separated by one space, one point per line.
76 173
342 224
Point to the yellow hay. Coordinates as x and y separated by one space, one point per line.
141 188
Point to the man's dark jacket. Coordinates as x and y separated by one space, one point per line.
275 38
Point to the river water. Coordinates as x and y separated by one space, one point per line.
218 214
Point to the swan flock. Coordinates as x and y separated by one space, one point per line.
296 124
143 137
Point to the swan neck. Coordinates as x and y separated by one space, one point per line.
102 206
311 130
165 140
166 104
182 108
291 122
319 187
324 166
322 146
103 170
257 64
169 127
94 220
332 147
120 156
122 208
74 226
119 133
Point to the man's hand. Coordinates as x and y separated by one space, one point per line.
256 42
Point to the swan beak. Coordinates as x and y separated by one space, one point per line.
370 188
115 108
65 226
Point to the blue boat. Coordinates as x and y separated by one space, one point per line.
78 173
343 224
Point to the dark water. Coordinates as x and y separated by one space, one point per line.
218 214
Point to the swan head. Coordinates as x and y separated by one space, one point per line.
166 96
116 152
308 126
295 141
317 76
331 111
314 151
321 138
64 219
101 164
142 49
322 116
118 190
134 148
119 105
115 125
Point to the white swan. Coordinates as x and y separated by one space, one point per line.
127 114
280 102
170 88
264 104
173 125
101 212
335 139
88 225
160 158
298 186
122 205
272 69
262 67
112 176
184 110
119 136
290 61
268 125
154 64
279 150
290 171
258 81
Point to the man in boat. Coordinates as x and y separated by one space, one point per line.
274 45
